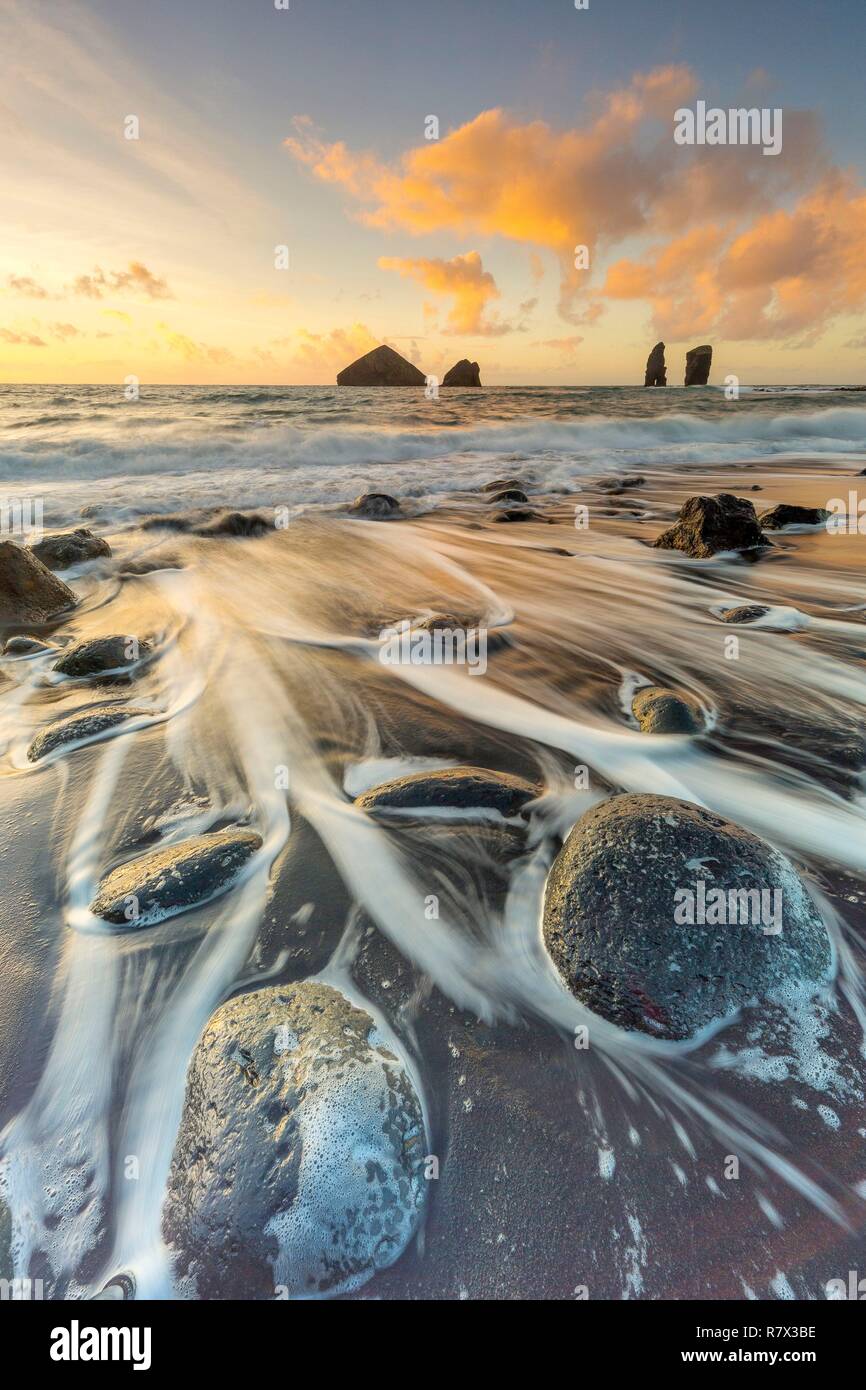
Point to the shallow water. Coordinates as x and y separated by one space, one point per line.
269 667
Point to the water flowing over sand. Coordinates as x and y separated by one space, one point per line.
269 706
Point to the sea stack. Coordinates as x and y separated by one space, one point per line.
463 373
656 374
381 367
698 363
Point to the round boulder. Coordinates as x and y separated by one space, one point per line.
103 656
70 548
299 1164
663 917
662 711
375 506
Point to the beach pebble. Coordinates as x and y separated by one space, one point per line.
508 494
516 514
662 711
375 506
746 613
99 655
27 646
622 917
777 518
174 879
500 484
235 524
298 1168
70 548
707 525
29 592
83 724
470 790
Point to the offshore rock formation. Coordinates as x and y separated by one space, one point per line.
656 373
463 373
698 363
381 367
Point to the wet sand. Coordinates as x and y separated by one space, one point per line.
563 1172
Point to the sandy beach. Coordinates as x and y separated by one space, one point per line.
563 1169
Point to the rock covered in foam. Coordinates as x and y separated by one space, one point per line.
299 1163
171 880
637 926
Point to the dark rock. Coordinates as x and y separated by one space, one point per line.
440 622
119 1289
467 789
6 1270
661 711
616 920
463 373
103 655
698 363
656 373
746 613
516 514
299 1162
776 518
707 525
70 548
235 524
381 367
509 494
27 646
174 521
756 487
82 724
29 592
499 484
375 506
171 880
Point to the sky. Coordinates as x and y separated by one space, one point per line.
309 181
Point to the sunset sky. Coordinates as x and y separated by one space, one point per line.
305 127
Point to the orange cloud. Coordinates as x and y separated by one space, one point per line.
330 352
26 285
21 339
618 176
463 279
135 277
790 273
191 350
